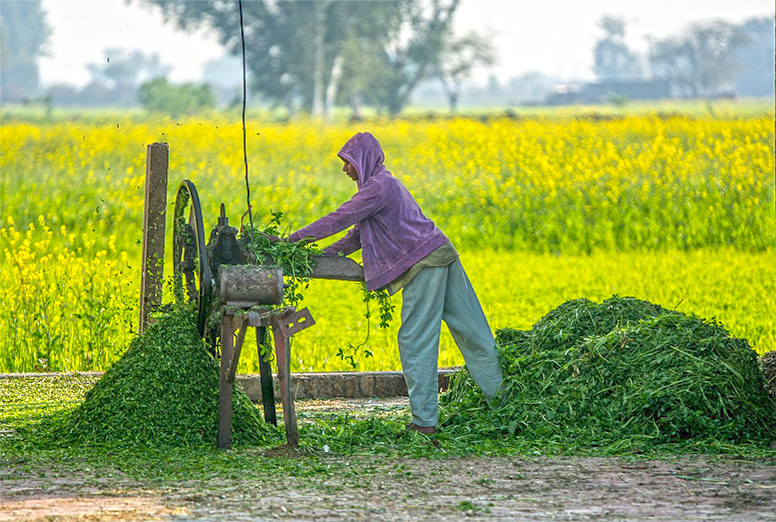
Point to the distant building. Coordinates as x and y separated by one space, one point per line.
603 92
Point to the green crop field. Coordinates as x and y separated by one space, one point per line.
676 209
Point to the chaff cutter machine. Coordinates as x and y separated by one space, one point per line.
225 281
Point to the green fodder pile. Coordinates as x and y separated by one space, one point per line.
163 391
622 371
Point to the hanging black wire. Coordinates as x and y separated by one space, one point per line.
245 134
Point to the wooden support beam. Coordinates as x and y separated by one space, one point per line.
154 215
225 388
283 355
338 268
240 324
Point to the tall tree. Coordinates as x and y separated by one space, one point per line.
364 74
415 38
293 49
23 36
299 51
458 58
395 48
612 58
699 62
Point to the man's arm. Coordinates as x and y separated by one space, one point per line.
348 244
364 203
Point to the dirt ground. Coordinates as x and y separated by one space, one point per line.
399 489
573 489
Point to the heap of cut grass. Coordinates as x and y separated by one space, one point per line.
622 371
163 391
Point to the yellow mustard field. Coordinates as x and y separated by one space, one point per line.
677 210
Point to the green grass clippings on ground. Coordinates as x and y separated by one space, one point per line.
334 442
126 439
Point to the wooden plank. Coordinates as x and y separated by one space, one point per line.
339 268
154 215
331 267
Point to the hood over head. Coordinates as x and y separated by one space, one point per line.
364 152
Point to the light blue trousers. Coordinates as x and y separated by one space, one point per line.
436 294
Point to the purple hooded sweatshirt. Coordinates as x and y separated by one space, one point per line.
389 226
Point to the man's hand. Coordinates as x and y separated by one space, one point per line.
273 239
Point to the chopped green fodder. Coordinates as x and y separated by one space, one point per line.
163 391
622 371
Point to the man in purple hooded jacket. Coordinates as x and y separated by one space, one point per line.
404 250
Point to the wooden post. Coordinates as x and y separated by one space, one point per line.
155 213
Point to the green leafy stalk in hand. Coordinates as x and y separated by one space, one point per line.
296 259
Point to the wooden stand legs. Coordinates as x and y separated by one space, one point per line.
230 355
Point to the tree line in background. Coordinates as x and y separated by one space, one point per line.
312 56
704 60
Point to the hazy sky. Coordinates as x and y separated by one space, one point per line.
552 36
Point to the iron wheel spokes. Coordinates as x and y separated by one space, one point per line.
189 252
